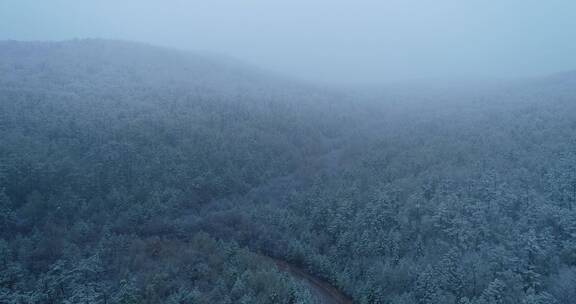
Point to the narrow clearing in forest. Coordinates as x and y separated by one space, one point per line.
324 292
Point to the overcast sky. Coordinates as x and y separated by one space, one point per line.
334 41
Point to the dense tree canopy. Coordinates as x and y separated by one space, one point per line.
134 174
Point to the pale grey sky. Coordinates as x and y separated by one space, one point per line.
334 41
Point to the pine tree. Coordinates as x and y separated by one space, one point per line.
426 289
127 293
450 273
538 298
494 293
7 215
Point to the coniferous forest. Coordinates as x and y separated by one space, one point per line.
137 174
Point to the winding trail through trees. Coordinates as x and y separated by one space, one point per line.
324 292
321 290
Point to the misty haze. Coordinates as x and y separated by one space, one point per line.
295 152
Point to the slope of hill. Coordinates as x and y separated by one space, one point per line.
465 198
136 174
103 143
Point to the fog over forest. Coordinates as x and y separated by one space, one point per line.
301 152
341 41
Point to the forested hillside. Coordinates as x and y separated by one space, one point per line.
136 174
105 144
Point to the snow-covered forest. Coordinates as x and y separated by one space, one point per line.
137 174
